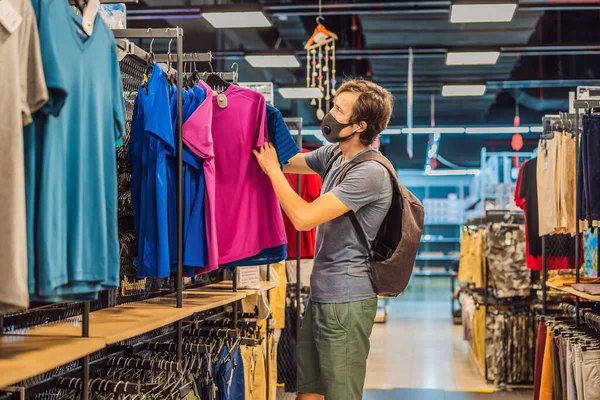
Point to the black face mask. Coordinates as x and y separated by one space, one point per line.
331 129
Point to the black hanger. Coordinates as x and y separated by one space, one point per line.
215 81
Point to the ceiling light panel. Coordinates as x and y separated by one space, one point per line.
472 58
273 61
482 12
247 19
300 93
463 90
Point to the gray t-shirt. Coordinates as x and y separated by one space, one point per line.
341 270
23 92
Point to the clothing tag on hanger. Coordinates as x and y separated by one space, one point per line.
10 18
89 16
222 100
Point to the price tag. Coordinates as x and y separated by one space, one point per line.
10 18
89 16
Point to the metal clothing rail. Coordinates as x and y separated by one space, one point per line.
176 34
191 57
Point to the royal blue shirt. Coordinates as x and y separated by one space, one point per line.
151 140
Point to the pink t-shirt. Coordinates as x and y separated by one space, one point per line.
248 215
197 135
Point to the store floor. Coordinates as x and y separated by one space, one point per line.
419 348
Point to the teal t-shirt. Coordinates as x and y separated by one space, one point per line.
73 183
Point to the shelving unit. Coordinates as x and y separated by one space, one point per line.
570 290
225 287
24 356
125 321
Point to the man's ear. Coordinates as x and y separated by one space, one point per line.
362 126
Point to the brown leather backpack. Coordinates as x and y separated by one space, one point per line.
394 250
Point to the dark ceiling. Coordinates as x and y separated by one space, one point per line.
548 49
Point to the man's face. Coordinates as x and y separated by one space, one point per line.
343 107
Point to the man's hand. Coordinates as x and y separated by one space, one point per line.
267 158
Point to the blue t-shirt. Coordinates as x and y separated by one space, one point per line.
194 227
150 142
280 136
73 180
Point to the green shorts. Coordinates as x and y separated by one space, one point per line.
333 348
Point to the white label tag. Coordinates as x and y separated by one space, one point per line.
10 18
89 16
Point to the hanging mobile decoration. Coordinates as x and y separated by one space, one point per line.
327 80
322 41
320 112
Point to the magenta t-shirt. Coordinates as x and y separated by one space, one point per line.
243 216
248 214
197 135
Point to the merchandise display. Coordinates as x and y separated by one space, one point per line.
282 200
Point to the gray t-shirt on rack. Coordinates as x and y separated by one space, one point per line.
340 273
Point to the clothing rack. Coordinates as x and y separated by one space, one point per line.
578 105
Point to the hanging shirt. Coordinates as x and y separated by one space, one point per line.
280 136
151 139
286 148
197 137
23 92
560 248
76 240
248 215
194 235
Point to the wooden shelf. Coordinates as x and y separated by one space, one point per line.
227 287
570 290
128 320
22 357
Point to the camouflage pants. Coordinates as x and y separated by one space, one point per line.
505 251
510 346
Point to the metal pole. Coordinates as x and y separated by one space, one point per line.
577 240
235 304
298 245
544 274
85 361
268 348
179 188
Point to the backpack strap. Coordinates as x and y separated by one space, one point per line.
337 152
364 157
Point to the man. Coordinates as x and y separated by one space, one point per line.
334 339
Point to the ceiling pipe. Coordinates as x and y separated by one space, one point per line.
377 54
413 7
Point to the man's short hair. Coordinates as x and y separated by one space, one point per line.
374 106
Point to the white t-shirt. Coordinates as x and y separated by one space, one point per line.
23 91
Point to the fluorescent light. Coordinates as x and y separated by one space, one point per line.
247 19
428 131
451 172
536 129
463 90
509 129
472 58
301 93
490 12
273 61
